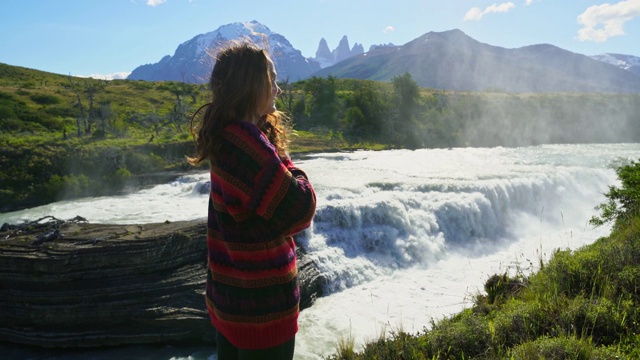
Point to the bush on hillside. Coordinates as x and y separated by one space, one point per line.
562 348
45 99
623 202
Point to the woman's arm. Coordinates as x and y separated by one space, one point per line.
276 190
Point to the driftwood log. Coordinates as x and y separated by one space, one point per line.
73 284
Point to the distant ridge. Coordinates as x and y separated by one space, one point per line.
449 60
452 60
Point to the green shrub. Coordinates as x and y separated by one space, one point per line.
99 134
501 287
62 111
623 202
400 345
466 335
562 348
53 188
122 173
607 268
67 186
6 96
76 186
140 163
596 318
576 273
29 84
630 345
345 349
183 136
629 280
45 99
521 321
8 195
6 112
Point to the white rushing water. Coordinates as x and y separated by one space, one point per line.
403 237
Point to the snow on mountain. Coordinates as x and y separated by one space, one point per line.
192 60
626 62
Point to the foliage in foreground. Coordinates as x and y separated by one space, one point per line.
581 305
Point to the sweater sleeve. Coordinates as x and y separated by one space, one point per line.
276 190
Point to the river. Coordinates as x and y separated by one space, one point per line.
402 237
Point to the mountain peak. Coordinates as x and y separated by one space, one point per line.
323 50
357 49
238 30
252 26
325 57
448 35
343 51
192 62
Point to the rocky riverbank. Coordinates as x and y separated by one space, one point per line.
67 284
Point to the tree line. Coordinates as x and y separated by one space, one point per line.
401 114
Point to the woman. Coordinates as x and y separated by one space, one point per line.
258 201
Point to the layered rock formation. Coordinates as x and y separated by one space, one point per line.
90 285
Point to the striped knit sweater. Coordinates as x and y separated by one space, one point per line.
257 203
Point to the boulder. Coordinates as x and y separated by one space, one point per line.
90 285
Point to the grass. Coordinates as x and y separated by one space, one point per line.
582 304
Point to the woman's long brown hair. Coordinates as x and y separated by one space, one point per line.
240 80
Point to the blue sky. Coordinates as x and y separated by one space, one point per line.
105 37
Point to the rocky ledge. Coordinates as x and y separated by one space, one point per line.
75 284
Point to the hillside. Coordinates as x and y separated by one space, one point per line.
32 100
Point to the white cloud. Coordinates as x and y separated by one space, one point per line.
473 14
155 2
389 29
528 2
601 22
114 76
477 14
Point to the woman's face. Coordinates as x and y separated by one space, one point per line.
269 105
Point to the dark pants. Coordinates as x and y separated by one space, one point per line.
226 351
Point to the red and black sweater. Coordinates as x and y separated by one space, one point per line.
257 203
